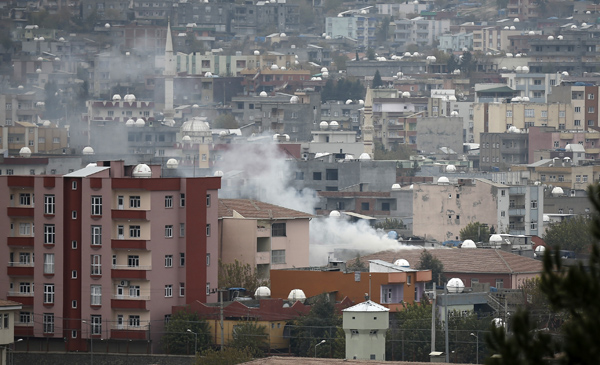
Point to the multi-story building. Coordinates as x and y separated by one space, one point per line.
117 247
420 31
492 39
561 174
584 98
522 9
227 65
573 51
537 87
38 138
502 150
525 210
401 10
355 26
20 107
457 42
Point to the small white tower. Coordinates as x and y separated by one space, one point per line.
169 74
365 325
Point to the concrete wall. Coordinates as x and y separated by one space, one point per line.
434 133
47 358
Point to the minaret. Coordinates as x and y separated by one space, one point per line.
169 73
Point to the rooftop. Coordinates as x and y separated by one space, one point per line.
246 208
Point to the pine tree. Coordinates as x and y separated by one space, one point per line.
377 82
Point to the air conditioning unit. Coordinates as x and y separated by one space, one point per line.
124 283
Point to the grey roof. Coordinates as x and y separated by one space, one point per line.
87 171
367 306
540 163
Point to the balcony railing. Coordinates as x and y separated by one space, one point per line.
127 267
18 294
128 297
20 264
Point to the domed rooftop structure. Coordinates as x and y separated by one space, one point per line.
450 168
47 123
186 139
142 171
274 67
406 94
140 123
558 191
443 180
468 244
257 53
208 74
25 152
334 125
396 187
402 263
297 295
455 285
197 129
129 97
172 163
263 94
116 97
323 125
130 122
218 173
262 292
294 99
364 156
88 150
334 214
496 238
349 101
349 157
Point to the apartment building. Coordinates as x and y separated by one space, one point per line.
358 27
46 138
536 86
117 247
420 31
455 42
584 98
492 39
574 51
499 151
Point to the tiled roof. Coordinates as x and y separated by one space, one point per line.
258 210
8 303
466 260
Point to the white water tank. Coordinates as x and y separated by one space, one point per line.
297 295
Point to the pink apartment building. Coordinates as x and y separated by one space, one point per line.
116 247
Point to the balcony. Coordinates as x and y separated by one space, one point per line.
122 244
19 211
263 231
129 272
128 214
263 258
127 332
19 269
20 241
128 302
23 298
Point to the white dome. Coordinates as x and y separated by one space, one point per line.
294 99
565 73
283 68
116 97
396 187
262 292
364 156
550 38
584 24
257 53
106 25
263 94
406 94
20 87
129 97
450 168
88 150
452 98
140 122
208 74
39 70
334 214
287 137
573 26
142 171
506 27
496 238
222 134
416 54
324 69
334 125
186 139
519 69
25 152
92 164
468 244
348 102
349 157
46 123
560 37
323 125
454 113
509 54
274 67
276 136
455 285
525 98
61 39
512 27
197 124
540 248
172 163
283 35
557 191
130 122
399 74
516 20
361 102
41 39
402 263
518 55
456 72
407 54
525 69
531 32
218 173
443 180
297 295
195 106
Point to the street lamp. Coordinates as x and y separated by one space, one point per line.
91 342
320 343
476 353
195 342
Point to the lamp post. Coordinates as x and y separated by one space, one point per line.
195 341
91 342
320 343
477 351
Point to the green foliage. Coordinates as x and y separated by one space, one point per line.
429 262
322 323
382 32
238 275
562 234
177 339
370 54
252 337
377 82
229 356
398 151
225 121
451 63
340 60
467 63
475 231
342 89
392 223
357 264
574 290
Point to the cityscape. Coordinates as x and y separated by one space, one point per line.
293 181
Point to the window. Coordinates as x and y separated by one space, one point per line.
385 207
169 201
49 234
96 295
590 122
134 291
96 325
278 230
364 206
509 113
48 293
49 204
208 230
168 291
135 201
96 205
316 176
182 200
74 185
529 113
135 231
24 258
24 288
182 259
545 114
25 229
96 235
25 199
134 320
182 289
168 260
96 265
181 229
591 109
208 200
585 178
278 257
534 204
590 96
207 288
48 263
577 122
133 261
331 174
74 245
48 322
577 109
74 214
299 175
561 114
168 231
74 274
25 317
207 259
499 283
167 319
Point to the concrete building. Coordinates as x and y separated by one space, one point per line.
40 139
536 86
401 10
420 31
525 210
355 26
442 209
584 98
119 247
573 52
435 134
561 174
345 114
333 141
263 235
492 39
457 42
365 325
499 151
8 314
230 65
522 9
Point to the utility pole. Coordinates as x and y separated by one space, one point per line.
446 321
221 317
433 305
